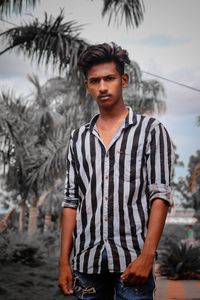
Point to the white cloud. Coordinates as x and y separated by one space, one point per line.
162 40
11 66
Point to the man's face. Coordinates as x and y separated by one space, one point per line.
104 83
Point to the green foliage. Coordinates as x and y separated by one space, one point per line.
180 260
191 199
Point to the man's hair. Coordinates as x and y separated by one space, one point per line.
102 53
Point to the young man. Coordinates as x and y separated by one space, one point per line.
117 192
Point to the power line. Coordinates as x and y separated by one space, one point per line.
172 81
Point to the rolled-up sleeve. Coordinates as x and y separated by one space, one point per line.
160 162
71 191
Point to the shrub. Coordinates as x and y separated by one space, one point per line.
14 248
180 261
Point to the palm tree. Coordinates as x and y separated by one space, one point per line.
50 207
34 139
193 179
15 142
145 96
53 123
130 10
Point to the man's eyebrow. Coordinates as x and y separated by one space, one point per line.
94 77
98 77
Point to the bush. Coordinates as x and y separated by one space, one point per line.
180 261
14 248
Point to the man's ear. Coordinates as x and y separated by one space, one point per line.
125 80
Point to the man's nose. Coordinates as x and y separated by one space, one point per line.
102 86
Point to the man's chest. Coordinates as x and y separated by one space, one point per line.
118 154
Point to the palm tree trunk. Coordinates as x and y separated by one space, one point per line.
32 224
22 217
47 222
4 221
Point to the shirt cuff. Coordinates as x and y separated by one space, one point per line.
161 191
70 202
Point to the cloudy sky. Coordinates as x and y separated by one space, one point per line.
167 44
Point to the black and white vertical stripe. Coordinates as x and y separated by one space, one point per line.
112 189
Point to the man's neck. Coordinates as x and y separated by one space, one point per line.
113 114
108 123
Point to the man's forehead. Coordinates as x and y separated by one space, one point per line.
103 69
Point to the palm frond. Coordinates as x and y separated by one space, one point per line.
45 165
135 75
53 42
7 7
153 95
130 10
12 116
144 96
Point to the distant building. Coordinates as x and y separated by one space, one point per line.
181 216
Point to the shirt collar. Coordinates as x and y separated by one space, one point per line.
131 119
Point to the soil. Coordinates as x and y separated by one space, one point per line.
22 282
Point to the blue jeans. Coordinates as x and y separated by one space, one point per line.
108 286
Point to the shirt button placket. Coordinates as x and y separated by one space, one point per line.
105 209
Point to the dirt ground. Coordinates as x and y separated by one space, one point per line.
21 282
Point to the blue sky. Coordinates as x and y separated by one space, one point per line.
167 43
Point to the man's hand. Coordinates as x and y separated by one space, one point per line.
65 281
138 271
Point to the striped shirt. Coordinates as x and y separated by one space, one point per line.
112 189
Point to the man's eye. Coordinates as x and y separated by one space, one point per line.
110 78
94 81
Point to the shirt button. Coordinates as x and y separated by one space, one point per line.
106 154
106 198
105 219
106 176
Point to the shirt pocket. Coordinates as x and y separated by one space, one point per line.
127 166
123 165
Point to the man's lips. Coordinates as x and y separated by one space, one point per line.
104 97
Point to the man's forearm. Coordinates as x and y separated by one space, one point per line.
68 225
138 271
156 224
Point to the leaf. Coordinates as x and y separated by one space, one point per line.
130 10
52 41
7 7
